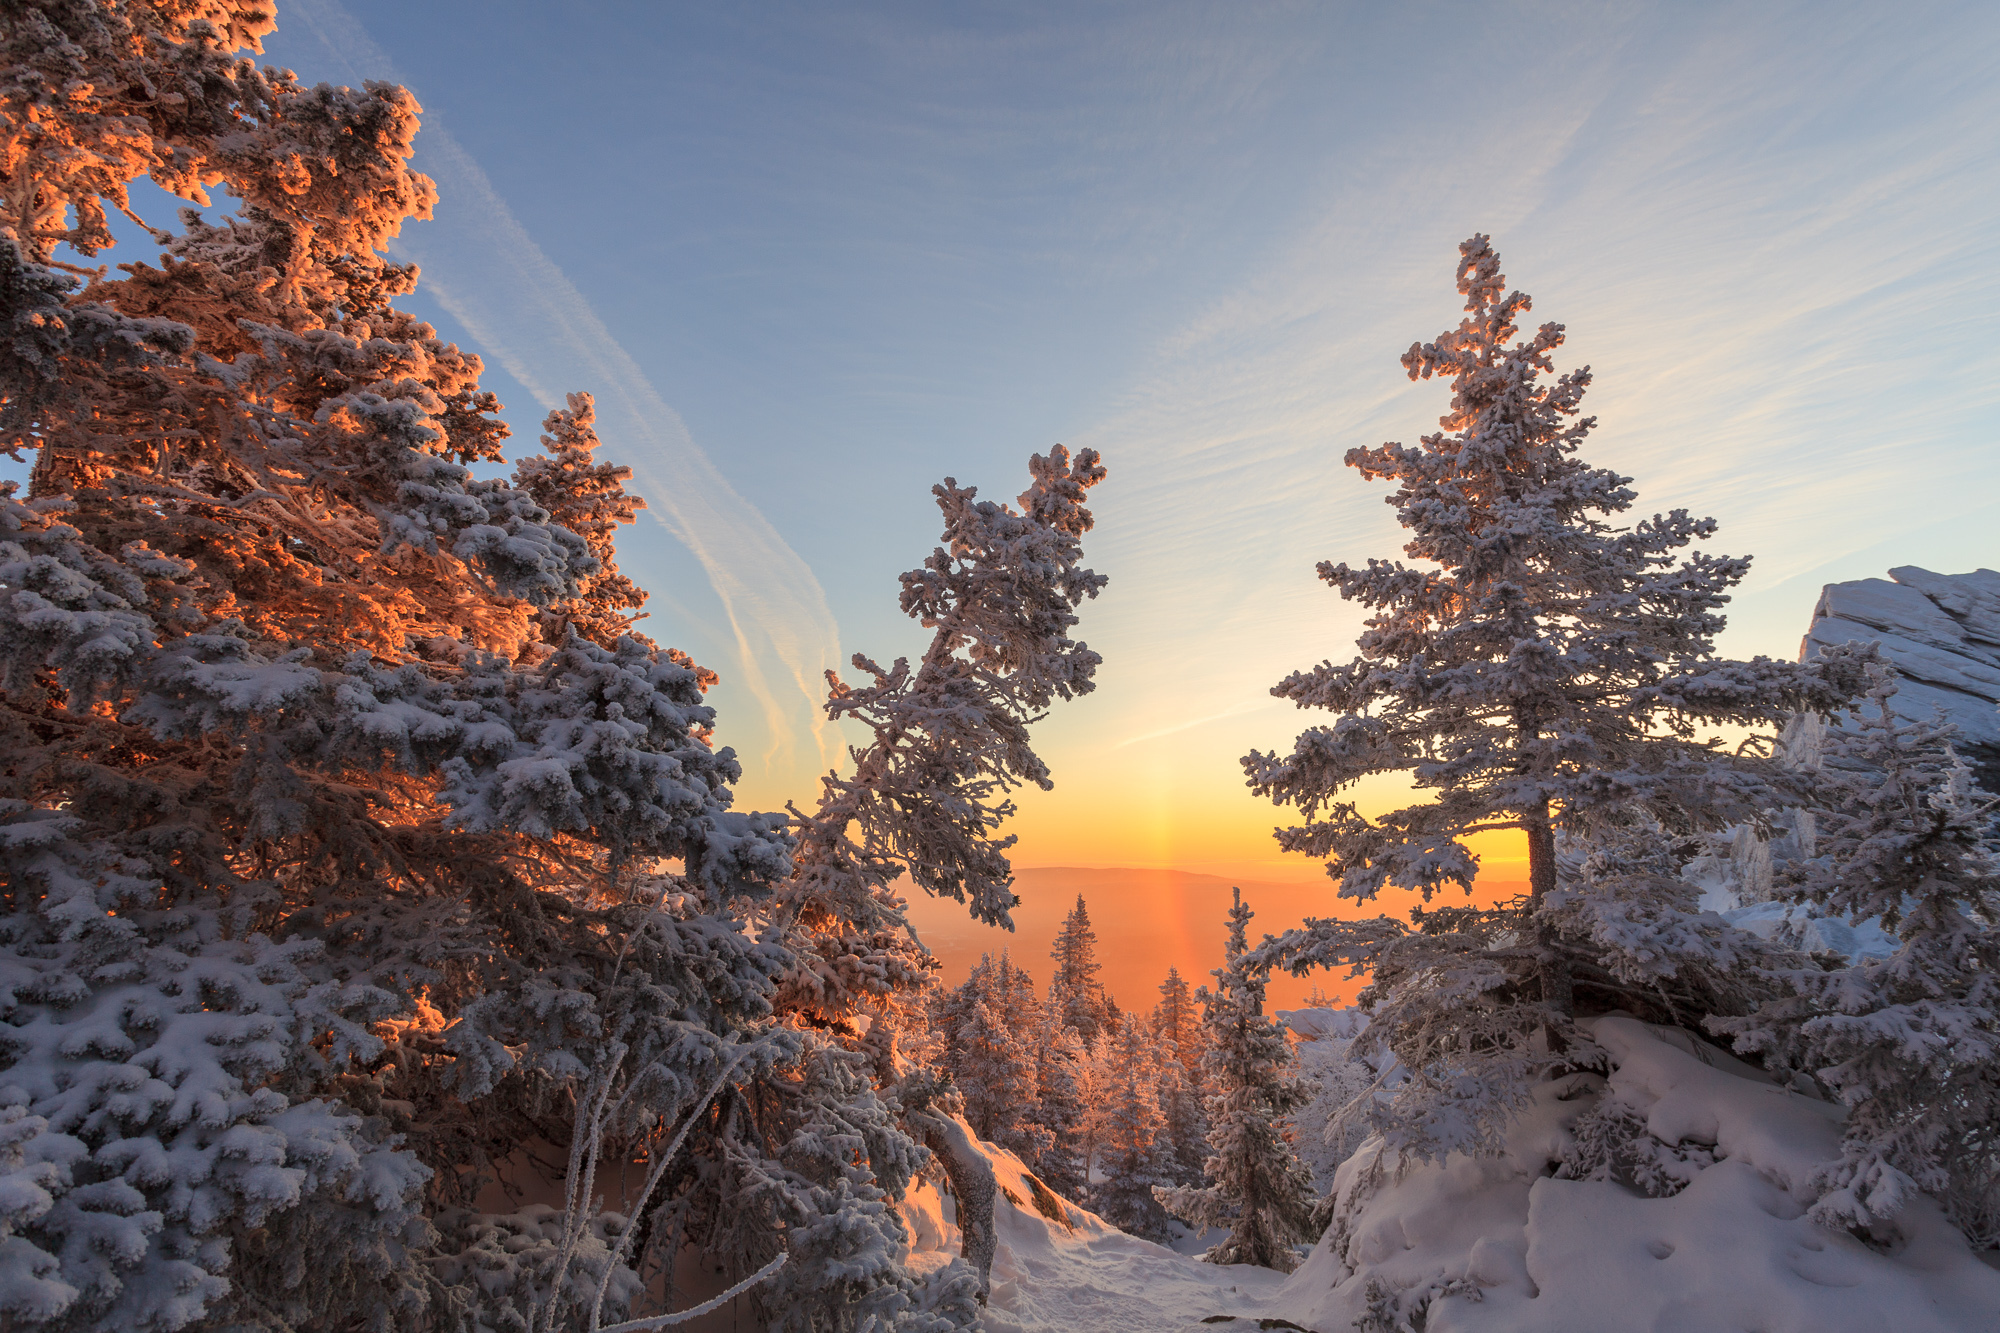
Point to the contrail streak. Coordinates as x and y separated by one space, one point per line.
483 267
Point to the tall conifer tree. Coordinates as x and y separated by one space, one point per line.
1182 1093
988 1052
346 810
1061 1077
1134 1156
948 740
1075 993
1536 669
1177 1021
1256 1186
319 812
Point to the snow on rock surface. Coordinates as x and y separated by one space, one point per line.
1942 632
1321 1024
1063 1268
1852 940
1501 1246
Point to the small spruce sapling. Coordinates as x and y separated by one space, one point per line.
1075 993
1257 1188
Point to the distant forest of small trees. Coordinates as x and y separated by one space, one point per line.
1065 1078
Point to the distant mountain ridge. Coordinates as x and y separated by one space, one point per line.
1149 919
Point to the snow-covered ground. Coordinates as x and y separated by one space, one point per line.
1694 1220
1062 1268
1522 1251
1503 1246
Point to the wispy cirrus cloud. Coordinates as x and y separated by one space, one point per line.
483 267
1776 254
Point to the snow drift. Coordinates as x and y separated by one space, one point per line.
1693 1221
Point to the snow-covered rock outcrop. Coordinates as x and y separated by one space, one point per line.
1942 632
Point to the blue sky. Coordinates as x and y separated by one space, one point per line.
813 258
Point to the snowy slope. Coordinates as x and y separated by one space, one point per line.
1503 1247
1942 631
1061 1267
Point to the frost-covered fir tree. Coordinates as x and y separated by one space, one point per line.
363 868
989 1055
1018 1074
949 738
1256 1186
589 498
1909 1043
1183 1121
1327 1129
949 741
1134 1156
1076 996
1537 668
313 835
1177 1036
1061 1087
950 733
1177 1021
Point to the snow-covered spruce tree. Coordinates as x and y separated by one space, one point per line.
1537 669
1177 1021
989 1056
1256 1186
1910 1043
1134 1157
589 498
1327 1129
1075 994
949 735
1176 1030
316 826
1183 1120
948 739
1016 1072
1061 1074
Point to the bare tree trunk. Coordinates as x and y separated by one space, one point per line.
46 477
972 1187
1557 988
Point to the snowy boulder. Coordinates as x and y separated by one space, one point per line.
1670 1196
1320 1024
1855 941
1942 633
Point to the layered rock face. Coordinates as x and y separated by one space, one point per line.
1942 632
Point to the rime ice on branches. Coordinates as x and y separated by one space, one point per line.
1536 667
